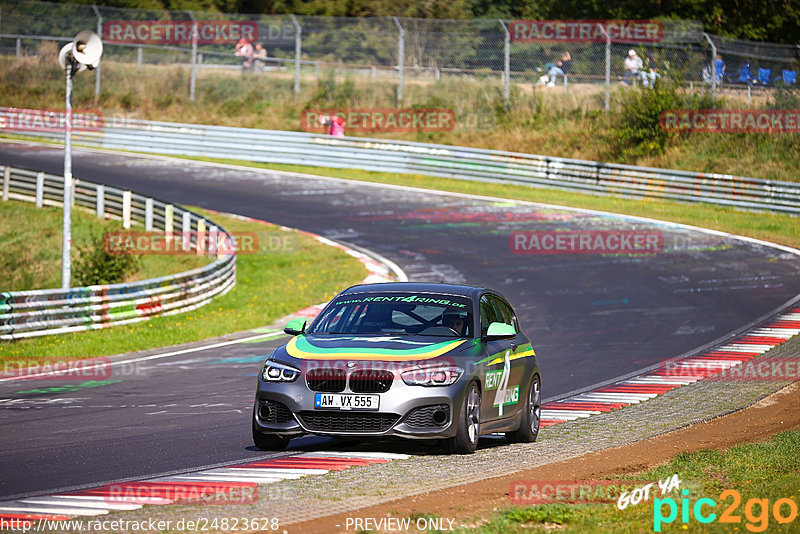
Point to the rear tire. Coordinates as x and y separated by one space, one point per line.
469 423
531 415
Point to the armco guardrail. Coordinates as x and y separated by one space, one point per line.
442 160
54 311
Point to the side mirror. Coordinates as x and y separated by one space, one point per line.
500 331
295 327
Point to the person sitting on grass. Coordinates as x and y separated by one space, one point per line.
561 67
633 65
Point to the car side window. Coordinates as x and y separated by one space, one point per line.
505 312
488 314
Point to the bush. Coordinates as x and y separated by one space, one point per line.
784 98
95 266
638 130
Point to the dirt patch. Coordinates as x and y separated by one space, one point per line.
774 414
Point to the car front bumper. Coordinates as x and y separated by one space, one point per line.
422 412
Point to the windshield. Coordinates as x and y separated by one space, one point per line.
425 314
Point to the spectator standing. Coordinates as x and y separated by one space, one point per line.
244 50
260 57
335 124
633 65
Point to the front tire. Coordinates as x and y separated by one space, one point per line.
469 423
531 415
268 442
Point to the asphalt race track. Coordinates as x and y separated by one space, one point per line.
592 317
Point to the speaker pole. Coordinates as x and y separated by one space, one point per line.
66 235
83 52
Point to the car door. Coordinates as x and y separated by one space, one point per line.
503 372
519 379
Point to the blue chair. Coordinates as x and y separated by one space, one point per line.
763 75
789 77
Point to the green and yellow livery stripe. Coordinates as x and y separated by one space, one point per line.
500 357
299 347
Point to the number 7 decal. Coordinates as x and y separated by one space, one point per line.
500 396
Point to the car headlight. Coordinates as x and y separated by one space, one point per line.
432 376
278 372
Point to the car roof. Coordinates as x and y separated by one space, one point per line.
421 287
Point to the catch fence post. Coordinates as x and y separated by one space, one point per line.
298 51
401 52
506 63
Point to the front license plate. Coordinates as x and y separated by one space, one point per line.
343 401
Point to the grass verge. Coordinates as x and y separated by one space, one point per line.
777 228
761 474
270 284
30 247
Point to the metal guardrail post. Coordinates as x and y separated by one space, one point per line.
193 76
713 70
39 189
148 215
298 48
138 58
506 63
169 224
213 236
19 47
401 52
97 69
186 230
100 205
126 210
201 237
6 181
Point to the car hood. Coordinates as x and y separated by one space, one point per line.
371 348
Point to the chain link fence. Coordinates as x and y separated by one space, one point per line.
469 66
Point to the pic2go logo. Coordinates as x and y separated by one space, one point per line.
756 511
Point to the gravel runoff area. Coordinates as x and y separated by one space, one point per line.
308 498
